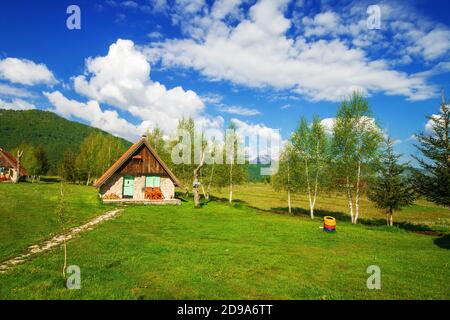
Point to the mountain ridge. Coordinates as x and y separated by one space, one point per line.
38 127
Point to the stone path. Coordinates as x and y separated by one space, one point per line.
56 240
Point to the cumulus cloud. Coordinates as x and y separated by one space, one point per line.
107 120
324 23
257 52
262 141
122 79
16 104
25 72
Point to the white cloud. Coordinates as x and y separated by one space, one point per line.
440 68
430 122
239 110
431 45
25 72
10 91
324 23
224 8
155 35
268 143
212 98
91 112
328 124
122 79
129 4
16 104
257 52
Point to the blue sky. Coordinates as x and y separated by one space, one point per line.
262 64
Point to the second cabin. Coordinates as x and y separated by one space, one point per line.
139 175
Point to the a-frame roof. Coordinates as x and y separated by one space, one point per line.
129 153
9 158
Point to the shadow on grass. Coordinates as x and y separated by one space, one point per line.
417 228
50 179
443 242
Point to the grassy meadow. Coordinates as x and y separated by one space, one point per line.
28 212
422 215
221 251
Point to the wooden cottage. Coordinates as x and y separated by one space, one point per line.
139 176
8 167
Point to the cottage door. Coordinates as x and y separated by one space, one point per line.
128 186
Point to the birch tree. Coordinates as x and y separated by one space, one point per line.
285 178
310 143
356 139
197 171
236 171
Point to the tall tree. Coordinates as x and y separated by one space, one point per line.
97 153
185 139
42 160
236 170
434 180
390 189
27 159
156 139
310 142
86 161
67 169
356 139
196 179
285 178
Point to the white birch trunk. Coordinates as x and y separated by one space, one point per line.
289 201
196 181
311 209
357 193
316 184
350 200
289 188
231 183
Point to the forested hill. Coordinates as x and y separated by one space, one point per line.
37 127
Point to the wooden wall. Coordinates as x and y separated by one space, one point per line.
144 166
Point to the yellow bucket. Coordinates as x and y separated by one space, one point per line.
329 221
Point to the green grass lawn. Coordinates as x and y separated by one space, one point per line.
216 252
223 252
422 214
27 212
